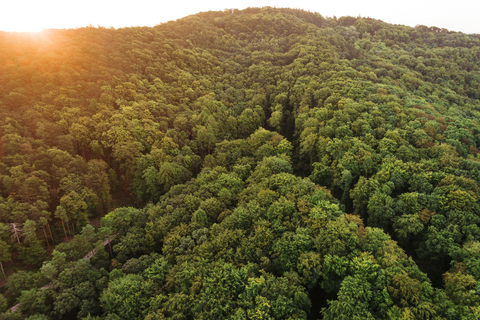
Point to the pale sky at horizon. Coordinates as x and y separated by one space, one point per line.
35 15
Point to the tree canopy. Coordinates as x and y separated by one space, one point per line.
242 164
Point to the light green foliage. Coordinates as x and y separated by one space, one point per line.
289 248
126 297
354 297
406 225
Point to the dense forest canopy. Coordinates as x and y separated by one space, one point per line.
256 164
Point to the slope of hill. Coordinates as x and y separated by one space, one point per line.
277 165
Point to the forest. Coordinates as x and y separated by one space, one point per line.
262 163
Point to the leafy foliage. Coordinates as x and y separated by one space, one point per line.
256 164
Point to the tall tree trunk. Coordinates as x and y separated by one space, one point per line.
68 227
64 231
46 238
15 231
4 275
51 235
110 248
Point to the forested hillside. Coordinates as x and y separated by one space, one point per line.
257 164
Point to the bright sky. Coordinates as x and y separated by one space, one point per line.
35 15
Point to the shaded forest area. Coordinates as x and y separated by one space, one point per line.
256 164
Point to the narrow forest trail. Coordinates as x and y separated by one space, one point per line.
88 256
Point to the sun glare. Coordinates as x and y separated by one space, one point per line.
14 19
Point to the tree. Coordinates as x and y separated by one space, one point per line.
5 255
353 300
248 122
75 208
61 213
407 224
289 248
3 304
29 231
34 301
32 253
51 268
127 297
205 139
166 175
380 210
16 230
44 222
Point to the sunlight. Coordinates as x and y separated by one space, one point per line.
28 24
23 17
24 28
